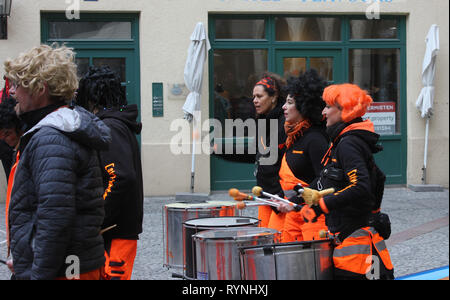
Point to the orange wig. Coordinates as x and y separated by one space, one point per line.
352 100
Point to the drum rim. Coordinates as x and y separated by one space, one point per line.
274 245
267 233
195 206
210 227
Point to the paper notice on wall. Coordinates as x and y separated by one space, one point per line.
382 114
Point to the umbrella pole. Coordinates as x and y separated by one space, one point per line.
424 169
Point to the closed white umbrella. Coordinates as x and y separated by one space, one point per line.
426 98
193 77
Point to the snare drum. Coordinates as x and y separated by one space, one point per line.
217 254
173 217
308 260
191 227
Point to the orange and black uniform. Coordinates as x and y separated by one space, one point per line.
122 179
301 164
348 210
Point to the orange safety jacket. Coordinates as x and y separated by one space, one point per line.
355 255
295 228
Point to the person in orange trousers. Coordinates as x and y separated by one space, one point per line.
268 94
306 144
101 91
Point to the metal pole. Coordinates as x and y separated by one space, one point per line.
424 169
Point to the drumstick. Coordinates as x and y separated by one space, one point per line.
243 204
311 195
268 202
258 191
107 229
236 194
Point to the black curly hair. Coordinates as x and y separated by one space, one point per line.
8 116
307 90
100 88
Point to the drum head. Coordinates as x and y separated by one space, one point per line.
236 234
221 222
183 205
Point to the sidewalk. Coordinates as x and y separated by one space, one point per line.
419 240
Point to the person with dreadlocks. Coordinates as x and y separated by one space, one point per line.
306 144
10 132
100 92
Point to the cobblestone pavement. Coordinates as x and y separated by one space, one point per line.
419 241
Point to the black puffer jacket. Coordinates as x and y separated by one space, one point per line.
56 207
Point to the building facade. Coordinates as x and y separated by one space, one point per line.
379 45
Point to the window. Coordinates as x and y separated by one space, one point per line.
374 29
89 30
235 74
307 29
240 28
378 72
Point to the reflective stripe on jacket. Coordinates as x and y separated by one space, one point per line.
354 254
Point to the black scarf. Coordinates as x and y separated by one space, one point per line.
334 130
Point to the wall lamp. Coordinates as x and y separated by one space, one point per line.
5 12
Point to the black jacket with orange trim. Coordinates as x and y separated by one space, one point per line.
346 170
122 174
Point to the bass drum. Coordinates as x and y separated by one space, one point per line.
191 227
308 260
175 214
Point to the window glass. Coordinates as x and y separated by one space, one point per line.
373 29
235 74
116 64
294 66
297 29
82 66
323 66
240 29
90 30
378 72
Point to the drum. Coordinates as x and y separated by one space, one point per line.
308 260
191 227
217 253
173 217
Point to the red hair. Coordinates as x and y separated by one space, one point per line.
352 100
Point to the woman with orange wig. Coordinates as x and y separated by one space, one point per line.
346 169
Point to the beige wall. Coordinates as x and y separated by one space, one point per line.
165 27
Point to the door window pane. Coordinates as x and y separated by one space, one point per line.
307 29
82 66
240 29
90 30
116 64
294 66
235 74
378 72
373 29
323 66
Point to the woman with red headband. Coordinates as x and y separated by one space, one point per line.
361 252
268 101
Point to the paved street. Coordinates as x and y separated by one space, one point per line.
419 241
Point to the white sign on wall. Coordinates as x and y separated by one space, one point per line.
382 114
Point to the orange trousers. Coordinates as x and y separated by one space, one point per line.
270 219
120 260
297 230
